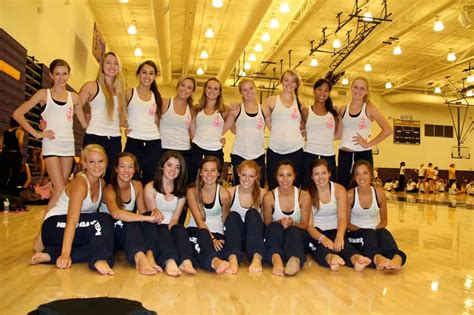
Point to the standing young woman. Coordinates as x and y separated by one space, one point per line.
401 177
286 212
328 222
57 111
106 97
368 219
355 122
320 123
207 126
283 117
121 197
209 203
165 195
176 117
144 105
249 124
67 232
244 227
11 157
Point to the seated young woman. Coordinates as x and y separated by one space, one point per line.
328 222
121 198
244 227
368 220
165 195
286 212
209 203
73 231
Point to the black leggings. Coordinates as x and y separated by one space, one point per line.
148 154
346 160
286 243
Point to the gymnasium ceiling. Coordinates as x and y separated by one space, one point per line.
172 33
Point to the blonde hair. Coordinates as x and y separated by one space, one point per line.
361 78
243 81
190 100
203 99
94 148
297 77
118 86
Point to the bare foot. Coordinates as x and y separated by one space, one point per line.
151 260
187 267
233 265
278 267
171 268
143 265
103 268
395 264
334 261
219 265
39 258
256 264
381 262
38 244
360 262
292 266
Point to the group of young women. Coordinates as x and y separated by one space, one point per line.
169 138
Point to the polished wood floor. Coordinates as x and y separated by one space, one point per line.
437 279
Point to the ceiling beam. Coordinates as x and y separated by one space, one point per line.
257 12
189 17
161 20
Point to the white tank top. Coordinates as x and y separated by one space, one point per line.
213 217
129 206
278 214
285 136
167 208
209 130
365 218
59 118
237 207
249 127
100 124
326 217
351 126
141 118
62 205
174 129
320 134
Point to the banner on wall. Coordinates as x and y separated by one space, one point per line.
406 131
98 43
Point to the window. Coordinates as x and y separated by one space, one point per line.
438 131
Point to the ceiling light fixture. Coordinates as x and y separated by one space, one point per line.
247 65
284 7
204 54
274 23
123 1
451 56
314 62
138 51
368 17
242 73
345 81
200 71
470 78
217 3
388 85
258 47
209 33
132 28
438 25
368 67
265 37
437 90
252 57
397 50
336 43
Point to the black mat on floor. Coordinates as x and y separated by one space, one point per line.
92 306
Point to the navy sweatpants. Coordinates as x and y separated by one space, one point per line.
148 154
204 250
197 154
308 159
272 160
129 237
287 243
345 161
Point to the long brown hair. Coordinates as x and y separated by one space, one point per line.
256 185
114 178
153 86
313 189
353 183
203 100
118 87
200 184
179 183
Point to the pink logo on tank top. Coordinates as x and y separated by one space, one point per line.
69 113
294 114
330 123
260 123
187 121
152 110
217 121
362 123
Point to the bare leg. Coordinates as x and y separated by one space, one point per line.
39 258
334 261
219 265
278 267
143 265
187 267
256 264
38 243
360 262
151 260
233 265
103 268
381 262
55 167
292 266
171 268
